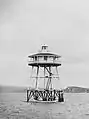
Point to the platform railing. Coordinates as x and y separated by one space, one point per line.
44 61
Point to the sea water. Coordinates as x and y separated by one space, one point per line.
14 106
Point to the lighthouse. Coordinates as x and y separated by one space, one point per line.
45 64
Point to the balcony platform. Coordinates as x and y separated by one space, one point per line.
44 63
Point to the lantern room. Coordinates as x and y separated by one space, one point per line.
44 57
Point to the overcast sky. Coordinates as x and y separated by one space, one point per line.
61 24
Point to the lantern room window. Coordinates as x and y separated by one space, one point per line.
45 58
35 58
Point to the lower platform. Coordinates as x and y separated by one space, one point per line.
45 95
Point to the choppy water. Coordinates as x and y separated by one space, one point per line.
13 106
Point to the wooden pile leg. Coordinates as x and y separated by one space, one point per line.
27 95
60 96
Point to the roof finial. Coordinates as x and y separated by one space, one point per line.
44 48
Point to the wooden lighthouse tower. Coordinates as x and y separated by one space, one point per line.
47 62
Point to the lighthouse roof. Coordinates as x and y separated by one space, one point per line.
44 52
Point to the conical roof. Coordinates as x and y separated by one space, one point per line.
44 52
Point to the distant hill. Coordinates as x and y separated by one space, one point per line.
17 89
74 89
12 89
